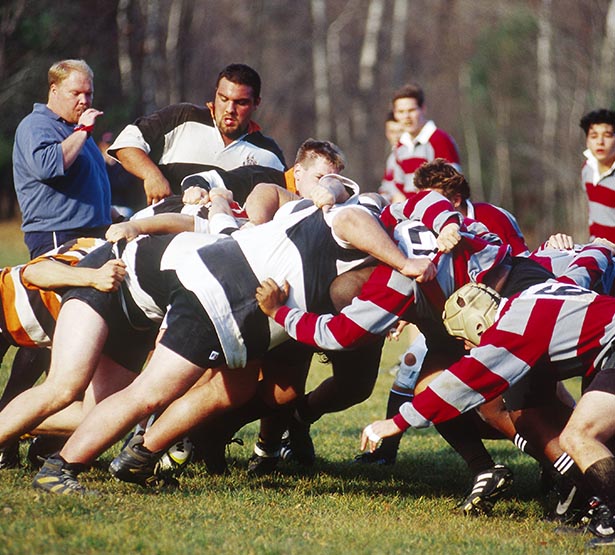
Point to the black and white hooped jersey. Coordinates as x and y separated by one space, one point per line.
183 139
224 273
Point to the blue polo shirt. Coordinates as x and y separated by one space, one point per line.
50 198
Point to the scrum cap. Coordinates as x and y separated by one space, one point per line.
470 310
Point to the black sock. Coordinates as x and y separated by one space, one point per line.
390 445
601 478
566 469
462 435
302 411
522 444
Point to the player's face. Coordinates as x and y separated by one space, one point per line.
455 198
601 143
233 108
71 97
393 131
412 116
308 175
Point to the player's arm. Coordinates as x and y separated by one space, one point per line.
137 162
154 225
591 265
328 192
73 144
360 229
51 274
382 299
265 200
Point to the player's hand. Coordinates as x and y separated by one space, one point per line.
560 241
88 118
195 195
421 268
270 297
322 197
123 230
395 333
221 192
448 237
606 243
377 431
108 277
156 188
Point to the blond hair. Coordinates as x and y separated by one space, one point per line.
62 69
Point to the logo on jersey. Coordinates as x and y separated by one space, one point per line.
415 239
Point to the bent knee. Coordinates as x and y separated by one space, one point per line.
60 397
572 437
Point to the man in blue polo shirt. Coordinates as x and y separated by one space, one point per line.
60 177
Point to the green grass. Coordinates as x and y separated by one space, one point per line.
12 248
334 508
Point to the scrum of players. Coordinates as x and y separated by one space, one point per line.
202 313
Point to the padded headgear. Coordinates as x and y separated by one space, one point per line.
470 310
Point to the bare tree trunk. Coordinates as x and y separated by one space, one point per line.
172 50
335 67
604 92
319 64
398 41
548 108
361 114
470 134
123 48
155 92
369 52
9 18
502 192
568 170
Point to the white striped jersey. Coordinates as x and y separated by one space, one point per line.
387 295
28 314
182 139
224 272
199 212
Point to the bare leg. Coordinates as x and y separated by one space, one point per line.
541 427
494 413
108 378
78 340
590 427
225 389
166 377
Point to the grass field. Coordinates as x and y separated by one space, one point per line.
12 248
334 508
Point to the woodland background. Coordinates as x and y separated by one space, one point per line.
509 79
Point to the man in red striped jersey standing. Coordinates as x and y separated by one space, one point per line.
598 173
421 142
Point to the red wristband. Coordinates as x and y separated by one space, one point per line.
87 128
400 422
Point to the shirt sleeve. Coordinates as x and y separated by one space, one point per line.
40 151
384 297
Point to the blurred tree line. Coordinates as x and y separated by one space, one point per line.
509 79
